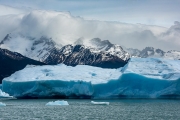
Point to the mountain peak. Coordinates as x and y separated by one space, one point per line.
153 52
35 48
92 52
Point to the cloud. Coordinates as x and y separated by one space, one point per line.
65 28
6 10
152 12
172 36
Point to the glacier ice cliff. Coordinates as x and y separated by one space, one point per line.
140 78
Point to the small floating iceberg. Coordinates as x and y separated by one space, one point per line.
2 104
100 103
58 102
4 95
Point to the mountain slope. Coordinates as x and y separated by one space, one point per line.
81 55
96 52
98 45
155 53
34 48
11 62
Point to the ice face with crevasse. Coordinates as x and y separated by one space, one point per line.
140 78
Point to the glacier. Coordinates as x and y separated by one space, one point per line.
139 78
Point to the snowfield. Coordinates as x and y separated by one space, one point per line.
140 78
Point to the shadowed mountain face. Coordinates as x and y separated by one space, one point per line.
80 55
11 62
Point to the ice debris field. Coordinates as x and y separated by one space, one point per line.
139 78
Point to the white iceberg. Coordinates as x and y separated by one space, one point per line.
57 80
140 78
100 103
2 104
58 102
4 95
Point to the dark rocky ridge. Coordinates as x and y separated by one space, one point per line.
11 62
80 55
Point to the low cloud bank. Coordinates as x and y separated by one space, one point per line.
65 28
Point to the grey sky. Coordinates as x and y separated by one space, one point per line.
65 28
150 12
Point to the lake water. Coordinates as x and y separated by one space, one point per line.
78 109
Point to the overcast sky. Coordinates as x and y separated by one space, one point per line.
150 12
135 23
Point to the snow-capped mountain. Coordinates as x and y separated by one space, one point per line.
34 48
172 54
11 62
97 45
133 51
153 52
92 52
82 55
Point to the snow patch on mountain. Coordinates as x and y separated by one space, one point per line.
97 45
172 54
34 48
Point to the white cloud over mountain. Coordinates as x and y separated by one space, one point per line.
65 28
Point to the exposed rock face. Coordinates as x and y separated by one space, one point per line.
156 53
80 55
100 53
11 62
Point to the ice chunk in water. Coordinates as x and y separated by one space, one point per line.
4 95
100 103
58 102
2 104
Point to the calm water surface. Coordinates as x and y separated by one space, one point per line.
124 109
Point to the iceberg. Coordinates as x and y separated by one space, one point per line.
139 78
2 104
100 103
58 102
4 95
